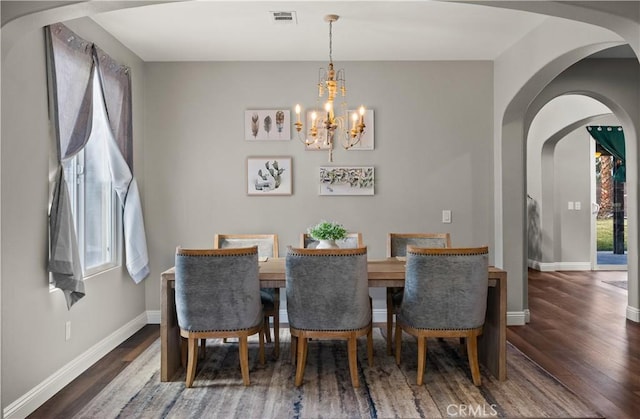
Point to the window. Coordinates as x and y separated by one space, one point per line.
93 199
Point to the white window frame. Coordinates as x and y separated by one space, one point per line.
75 169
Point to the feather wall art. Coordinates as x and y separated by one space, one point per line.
255 125
264 124
267 125
279 121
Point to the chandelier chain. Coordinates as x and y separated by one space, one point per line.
330 42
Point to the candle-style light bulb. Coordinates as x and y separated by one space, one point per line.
298 112
354 117
314 116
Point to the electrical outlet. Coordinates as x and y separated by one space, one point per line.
577 205
570 206
67 330
446 216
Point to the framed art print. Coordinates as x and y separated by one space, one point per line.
267 125
269 176
346 180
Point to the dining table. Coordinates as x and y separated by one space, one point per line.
383 273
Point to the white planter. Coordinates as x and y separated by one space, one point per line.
327 244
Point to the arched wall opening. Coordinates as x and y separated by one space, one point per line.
555 178
614 83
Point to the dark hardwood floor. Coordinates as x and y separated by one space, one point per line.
68 401
578 332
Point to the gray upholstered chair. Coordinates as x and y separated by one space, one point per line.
328 298
445 295
397 246
218 296
352 241
267 247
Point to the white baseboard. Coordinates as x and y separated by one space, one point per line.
517 318
153 316
558 266
573 266
633 314
34 398
612 267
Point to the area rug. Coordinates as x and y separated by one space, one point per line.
619 284
386 390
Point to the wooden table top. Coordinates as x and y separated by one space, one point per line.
384 270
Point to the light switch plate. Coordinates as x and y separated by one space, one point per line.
446 216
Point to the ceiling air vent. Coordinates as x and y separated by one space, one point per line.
283 17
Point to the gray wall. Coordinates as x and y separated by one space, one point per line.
33 318
573 183
433 151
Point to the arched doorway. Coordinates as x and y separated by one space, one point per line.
562 225
603 81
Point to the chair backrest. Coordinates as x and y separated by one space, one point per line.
445 288
352 241
327 289
397 242
267 243
217 289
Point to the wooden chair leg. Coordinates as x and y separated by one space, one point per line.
203 348
192 361
244 360
472 354
276 329
261 350
293 348
352 350
301 355
389 320
422 358
370 346
183 352
398 343
267 330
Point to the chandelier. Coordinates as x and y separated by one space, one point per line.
326 126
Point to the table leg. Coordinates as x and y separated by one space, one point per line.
492 344
169 333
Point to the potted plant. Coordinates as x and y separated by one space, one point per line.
327 233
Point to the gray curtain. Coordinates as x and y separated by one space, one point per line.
116 82
71 62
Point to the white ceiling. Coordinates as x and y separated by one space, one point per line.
214 30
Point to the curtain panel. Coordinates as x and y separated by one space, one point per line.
116 81
71 63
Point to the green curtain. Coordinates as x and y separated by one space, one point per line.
612 140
